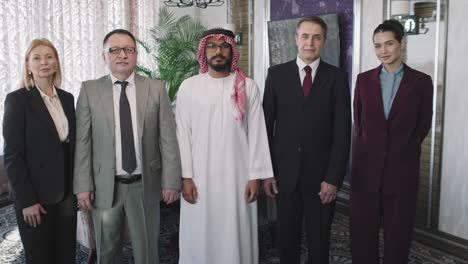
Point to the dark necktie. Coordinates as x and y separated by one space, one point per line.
126 131
307 84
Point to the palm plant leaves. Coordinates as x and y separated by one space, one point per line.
145 71
174 47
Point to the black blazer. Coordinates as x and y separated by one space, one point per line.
310 136
33 154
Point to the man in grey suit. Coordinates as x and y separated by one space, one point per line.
127 157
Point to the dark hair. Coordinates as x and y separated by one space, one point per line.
393 26
118 31
314 19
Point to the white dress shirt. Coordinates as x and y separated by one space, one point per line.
55 108
314 65
131 95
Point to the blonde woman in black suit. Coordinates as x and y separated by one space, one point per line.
39 131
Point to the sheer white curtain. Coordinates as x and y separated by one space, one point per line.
75 27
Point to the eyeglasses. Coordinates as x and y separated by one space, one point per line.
214 46
117 50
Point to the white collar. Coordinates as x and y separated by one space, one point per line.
130 79
314 65
44 95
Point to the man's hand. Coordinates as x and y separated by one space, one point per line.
85 200
170 195
251 190
32 214
189 190
327 192
269 185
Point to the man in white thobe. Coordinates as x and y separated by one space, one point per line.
224 151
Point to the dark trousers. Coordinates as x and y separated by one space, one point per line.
297 208
397 213
54 240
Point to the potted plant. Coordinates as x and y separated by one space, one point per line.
174 46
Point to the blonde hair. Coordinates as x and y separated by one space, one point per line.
27 79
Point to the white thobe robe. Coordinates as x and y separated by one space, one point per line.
221 155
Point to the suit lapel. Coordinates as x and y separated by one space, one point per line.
40 109
67 110
320 79
295 81
375 92
142 94
64 104
403 91
106 97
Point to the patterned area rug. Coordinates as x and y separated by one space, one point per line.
11 250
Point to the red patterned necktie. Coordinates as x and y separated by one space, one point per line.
307 84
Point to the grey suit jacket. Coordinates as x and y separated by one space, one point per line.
95 140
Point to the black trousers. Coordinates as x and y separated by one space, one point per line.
54 240
297 208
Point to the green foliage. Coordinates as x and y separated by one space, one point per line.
174 47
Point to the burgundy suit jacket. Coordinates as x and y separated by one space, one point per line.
386 153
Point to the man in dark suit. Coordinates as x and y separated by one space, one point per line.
127 156
307 110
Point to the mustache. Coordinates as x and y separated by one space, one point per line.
218 57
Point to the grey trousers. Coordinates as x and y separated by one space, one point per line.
143 226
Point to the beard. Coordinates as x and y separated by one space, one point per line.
220 67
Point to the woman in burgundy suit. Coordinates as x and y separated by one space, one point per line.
392 116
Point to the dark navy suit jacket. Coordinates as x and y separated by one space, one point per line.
33 154
309 136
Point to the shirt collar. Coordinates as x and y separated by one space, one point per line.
314 65
398 70
45 96
130 79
